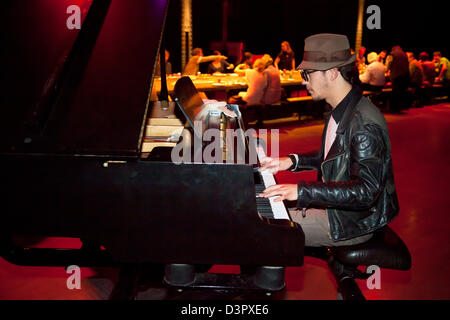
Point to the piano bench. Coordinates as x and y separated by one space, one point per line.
384 250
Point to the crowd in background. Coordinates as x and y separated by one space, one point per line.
403 72
423 68
423 71
262 73
397 69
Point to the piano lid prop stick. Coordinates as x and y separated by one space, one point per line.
164 95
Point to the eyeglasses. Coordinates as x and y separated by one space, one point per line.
305 74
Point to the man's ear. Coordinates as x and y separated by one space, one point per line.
333 73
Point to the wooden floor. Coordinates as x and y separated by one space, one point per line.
421 158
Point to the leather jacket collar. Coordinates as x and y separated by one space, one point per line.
354 97
350 101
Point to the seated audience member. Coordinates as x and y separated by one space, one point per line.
285 60
219 65
256 84
387 66
360 59
428 69
373 78
442 68
168 64
382 56
193 65
415 71
272 92
246 63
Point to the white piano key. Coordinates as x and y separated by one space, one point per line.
278 208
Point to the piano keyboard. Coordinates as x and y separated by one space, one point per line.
267 207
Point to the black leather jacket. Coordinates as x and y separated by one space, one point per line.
358 187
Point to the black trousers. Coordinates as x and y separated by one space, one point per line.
400 93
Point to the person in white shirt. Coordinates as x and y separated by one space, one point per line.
264 87
256 84
272 92
373 78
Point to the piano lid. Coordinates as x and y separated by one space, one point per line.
77 91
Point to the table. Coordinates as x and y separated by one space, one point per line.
219 82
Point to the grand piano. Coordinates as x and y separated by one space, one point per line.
74 126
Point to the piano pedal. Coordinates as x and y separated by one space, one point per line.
265 279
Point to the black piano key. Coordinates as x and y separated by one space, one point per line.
263 204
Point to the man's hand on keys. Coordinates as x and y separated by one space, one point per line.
273 165
283 191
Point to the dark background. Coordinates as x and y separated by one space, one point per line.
263 25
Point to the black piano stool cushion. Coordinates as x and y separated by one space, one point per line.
385 249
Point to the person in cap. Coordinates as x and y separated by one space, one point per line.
355 193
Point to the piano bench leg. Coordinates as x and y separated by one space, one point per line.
179 275
270 278
345 276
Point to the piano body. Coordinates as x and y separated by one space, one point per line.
75 112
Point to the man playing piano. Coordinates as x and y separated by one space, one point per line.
355 192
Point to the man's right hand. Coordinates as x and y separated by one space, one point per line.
275 164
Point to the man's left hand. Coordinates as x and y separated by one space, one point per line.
283 191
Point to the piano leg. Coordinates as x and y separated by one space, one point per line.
266 277
135 278
179 275
126 287
270 278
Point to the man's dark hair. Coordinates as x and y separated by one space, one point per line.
351 74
